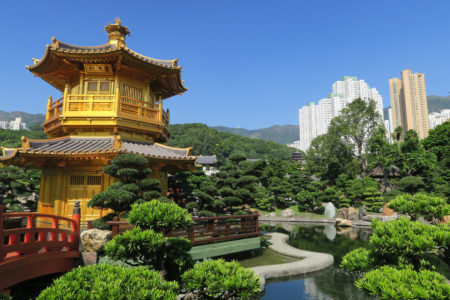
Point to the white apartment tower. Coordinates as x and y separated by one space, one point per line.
315 119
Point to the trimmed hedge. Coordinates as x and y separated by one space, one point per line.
391 283
218 279
110 282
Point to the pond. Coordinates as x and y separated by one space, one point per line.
331 283
259 257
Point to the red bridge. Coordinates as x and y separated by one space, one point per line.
48 244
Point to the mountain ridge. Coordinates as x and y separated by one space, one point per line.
282 134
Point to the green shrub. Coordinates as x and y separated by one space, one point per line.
137 247
390 195
191 205
391 283
101 223
420 204
218 279
241 212
110 282
411 184
148 248
264 203
177 258
159 216
205 213
358 260
402 238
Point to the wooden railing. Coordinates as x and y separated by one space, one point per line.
54 110
138 108
47 244
94 103
104 105
207 229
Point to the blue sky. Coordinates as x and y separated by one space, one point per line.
251 64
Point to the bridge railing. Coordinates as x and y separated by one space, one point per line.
207 229
42 233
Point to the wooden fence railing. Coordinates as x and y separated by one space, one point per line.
207 229
47 244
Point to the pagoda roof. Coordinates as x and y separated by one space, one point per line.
84 146
62 63
88 51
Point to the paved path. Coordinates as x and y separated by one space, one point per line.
310 261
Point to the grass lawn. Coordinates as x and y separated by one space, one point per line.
296 212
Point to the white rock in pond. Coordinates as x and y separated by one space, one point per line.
94 240
330 210
287 213
272 214
330 232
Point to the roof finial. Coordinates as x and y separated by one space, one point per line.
117 33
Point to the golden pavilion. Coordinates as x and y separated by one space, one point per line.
112 102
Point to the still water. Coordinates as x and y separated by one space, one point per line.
331 283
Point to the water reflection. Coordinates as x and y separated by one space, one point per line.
330 284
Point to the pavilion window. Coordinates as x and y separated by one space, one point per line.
100 87
77 180
94 180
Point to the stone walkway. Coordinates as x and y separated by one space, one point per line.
309 261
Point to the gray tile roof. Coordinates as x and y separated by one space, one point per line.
69 145
83 48
154 150
206 160
72 144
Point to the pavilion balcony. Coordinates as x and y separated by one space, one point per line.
106 109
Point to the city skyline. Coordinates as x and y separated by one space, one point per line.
250 64
314 120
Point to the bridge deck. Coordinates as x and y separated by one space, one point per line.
48 244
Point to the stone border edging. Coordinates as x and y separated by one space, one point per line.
310 261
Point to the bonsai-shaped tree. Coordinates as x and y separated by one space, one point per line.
147 245
18 183
132 185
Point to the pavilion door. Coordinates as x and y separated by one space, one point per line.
82 188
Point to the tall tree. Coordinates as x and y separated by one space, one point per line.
382 154
355 126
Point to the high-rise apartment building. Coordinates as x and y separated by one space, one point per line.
438 118
314 119
409 102
308 125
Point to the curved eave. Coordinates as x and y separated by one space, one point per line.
9 156
105 52
85 52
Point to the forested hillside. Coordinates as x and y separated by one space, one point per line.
11 138
437 103
208 141
284 134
